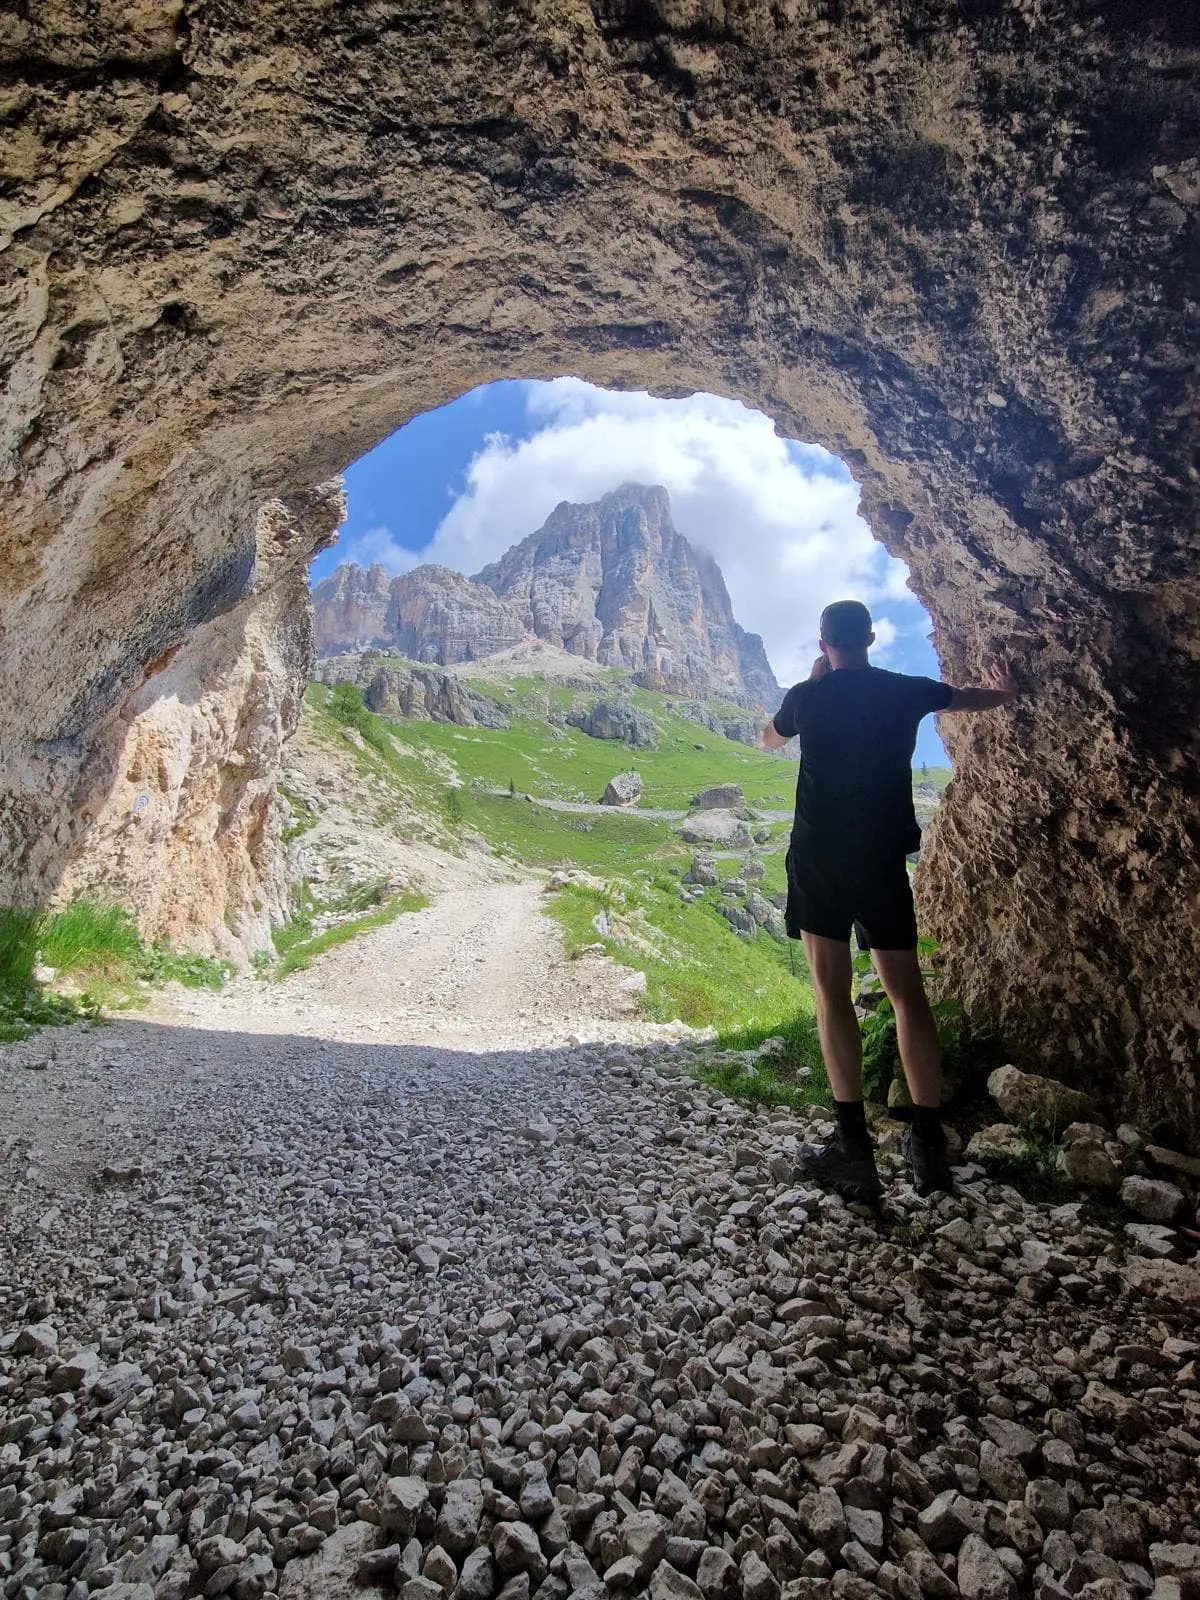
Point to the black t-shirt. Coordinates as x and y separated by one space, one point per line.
857 729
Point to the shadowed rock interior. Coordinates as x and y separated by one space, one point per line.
953 243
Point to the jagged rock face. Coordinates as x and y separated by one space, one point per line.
614 719
352 609
430 614
424 693
180 817
953 242
616 582
612 582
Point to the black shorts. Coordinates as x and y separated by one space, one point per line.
830 898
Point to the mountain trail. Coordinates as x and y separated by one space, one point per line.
480 968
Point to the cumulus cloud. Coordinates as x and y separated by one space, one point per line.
779 517
380 545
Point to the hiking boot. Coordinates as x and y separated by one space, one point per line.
925 1152
841 1168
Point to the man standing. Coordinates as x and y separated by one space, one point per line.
854 826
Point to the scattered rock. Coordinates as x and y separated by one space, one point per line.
1026 1097
622 790
1153 1198
720 797
720 828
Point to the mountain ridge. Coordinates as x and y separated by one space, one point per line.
612 581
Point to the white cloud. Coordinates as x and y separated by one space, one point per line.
379 545
780 518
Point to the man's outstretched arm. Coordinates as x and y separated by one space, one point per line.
1003 691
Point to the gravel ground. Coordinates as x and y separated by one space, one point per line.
280 1310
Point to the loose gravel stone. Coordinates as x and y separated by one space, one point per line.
381 1330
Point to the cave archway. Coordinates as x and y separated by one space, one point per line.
952 243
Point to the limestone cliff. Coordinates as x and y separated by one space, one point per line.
179 814
402 689
952 241
352 609
616 582
613 582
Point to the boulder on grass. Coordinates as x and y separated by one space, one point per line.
1026 1097
623 790
703 870
721 797
719 828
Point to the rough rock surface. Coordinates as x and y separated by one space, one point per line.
384 1310
720 797
721 828
614 719
408 690
622 790
1028 1097
953 243
429 614
177 801
616 582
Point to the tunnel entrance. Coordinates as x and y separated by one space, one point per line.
459 485
232 264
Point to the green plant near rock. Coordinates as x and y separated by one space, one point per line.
98 949
966 1049
1037 1171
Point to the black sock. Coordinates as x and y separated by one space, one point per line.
927 1121
852 1122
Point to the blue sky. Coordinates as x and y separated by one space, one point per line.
461 484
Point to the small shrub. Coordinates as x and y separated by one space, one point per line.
456 810
346 705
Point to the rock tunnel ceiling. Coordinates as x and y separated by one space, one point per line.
954 243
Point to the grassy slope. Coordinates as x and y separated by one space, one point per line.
560 763
695 968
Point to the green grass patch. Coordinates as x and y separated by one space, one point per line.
699 972
303 817
96 947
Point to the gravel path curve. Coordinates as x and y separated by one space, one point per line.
283 1309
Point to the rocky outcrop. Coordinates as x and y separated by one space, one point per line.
427 694
430 614
623 789
616 582
612 582
614 719
954 243
176 802
352 609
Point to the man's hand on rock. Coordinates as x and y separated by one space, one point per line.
999 676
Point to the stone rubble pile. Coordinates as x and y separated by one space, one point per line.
560 1323
1161 1187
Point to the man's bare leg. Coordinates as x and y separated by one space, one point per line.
847 1164
916 1032
921 1056
837 1024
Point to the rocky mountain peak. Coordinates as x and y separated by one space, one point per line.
613 582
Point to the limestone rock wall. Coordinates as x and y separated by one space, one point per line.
616 582
953 241
180 820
